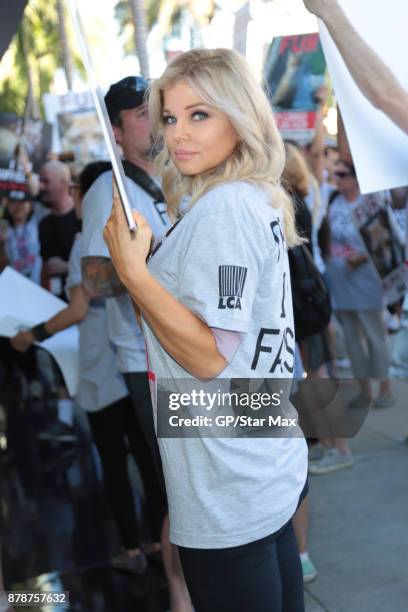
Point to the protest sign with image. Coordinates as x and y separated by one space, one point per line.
76 126
384 243
36 139
295 72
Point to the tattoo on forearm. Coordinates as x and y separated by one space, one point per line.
99 277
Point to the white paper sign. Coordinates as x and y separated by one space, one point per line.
379 147
24 304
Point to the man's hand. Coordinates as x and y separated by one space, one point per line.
54 266
22 341
320 8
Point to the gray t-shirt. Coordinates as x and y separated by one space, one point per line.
226 261
350 289
124 332
100 382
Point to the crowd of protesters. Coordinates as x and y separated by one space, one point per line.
40 237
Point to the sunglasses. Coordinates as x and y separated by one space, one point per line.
341 175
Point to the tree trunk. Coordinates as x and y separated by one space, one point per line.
31 101
66 57
139 20
242 19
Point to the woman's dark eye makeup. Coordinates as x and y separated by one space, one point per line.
201 114
197 115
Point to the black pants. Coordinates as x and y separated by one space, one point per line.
115 429
263 576
139 390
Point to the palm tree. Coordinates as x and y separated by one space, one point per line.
140 30
34 56
66 55
166 14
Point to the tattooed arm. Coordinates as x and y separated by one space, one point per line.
99 277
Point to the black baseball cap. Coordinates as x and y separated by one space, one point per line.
126 93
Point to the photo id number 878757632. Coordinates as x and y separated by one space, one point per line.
33 598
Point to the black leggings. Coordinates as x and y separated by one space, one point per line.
111 427
262 576
139 390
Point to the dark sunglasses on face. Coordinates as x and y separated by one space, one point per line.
341 175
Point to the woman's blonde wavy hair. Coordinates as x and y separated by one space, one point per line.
222 79
295 175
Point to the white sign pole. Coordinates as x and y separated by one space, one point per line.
102 114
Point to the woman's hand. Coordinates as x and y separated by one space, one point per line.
320 8
128 250
22 341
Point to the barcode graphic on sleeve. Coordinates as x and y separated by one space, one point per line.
231 280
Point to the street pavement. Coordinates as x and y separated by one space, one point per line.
358 537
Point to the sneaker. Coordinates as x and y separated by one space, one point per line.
343 364
315 452
361 401
136 564
393 323
331 461
308 570
58 432
384 400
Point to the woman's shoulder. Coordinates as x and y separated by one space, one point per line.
237 197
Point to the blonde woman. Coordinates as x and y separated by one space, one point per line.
215 301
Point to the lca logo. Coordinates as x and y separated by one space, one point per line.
231 281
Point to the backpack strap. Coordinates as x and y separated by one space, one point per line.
141 178
334 194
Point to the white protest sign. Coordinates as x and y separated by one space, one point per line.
102 113
24 304
378 146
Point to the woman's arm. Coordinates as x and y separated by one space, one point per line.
74 313
376 81
181 333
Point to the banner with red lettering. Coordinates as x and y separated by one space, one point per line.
13 185
295 72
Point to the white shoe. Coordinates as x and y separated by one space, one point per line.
331 461
315 452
